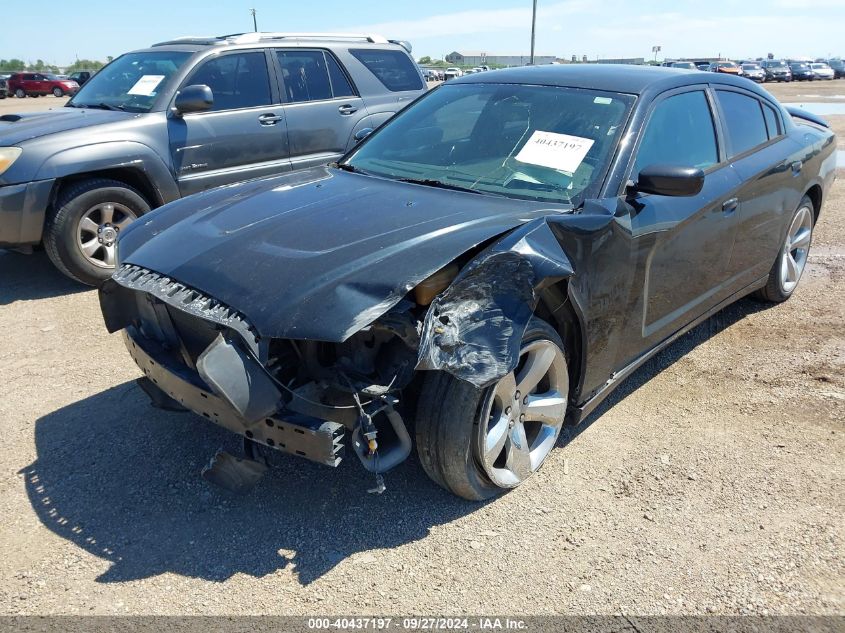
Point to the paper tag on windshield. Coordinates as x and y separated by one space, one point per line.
146 85
555 151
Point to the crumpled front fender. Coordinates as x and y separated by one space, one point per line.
473 329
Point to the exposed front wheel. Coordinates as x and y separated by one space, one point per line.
58 92
792 259
480 443
81 235
20 93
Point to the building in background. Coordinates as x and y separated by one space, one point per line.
480 58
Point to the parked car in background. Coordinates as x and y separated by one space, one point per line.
776 70
481 280
822 71
429 73
753 71
452 73
40 84
705 66
4 88
801 71
838 67
731 68
684 65
184 116
81 76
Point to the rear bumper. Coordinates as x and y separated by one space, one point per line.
22 211
318 440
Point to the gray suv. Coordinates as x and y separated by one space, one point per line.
183 116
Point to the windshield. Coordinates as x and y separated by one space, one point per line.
131 82
726 65
819 65
777 65
800 66
530 142
750 67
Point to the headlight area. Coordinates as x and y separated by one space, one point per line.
8 156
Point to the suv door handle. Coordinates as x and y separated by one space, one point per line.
796 167
728 206
347 108
269 119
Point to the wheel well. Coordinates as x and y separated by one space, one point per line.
815 195
555 307
132 177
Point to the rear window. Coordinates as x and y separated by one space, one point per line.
394 69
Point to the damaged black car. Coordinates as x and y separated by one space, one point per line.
485 267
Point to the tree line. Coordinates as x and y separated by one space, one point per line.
16 65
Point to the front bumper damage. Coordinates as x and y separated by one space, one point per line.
301 396
318 440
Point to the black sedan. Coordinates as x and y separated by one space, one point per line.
491 262
802 72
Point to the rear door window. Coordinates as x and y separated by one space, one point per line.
679 132
313 76
394 69
772 121
744 120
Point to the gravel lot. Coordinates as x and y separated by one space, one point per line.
711 482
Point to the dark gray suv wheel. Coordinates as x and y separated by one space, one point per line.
81 234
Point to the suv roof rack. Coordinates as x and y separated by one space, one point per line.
246 38
249 38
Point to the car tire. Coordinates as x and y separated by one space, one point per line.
20 93
58 92
80 233
455 420
792 257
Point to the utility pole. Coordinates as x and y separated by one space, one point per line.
533 27
254 21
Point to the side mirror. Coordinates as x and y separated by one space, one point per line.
197 98
363 133
670 180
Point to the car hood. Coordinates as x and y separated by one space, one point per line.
18 128
317 254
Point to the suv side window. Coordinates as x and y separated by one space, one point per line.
394 69
239 80
312 76
744 120
679 132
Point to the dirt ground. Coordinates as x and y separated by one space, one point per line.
710 482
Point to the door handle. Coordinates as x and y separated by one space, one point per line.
347 108
730 205
269 119
796 167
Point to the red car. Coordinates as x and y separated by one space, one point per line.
37 84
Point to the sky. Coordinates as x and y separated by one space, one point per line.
58 33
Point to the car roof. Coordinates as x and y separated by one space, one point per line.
607 77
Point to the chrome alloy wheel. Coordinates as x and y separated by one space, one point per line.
98 231
523 415
796 248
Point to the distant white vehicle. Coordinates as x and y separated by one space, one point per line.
822 70
452 73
